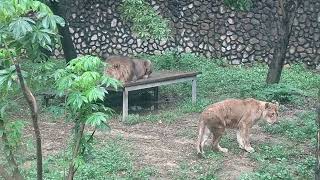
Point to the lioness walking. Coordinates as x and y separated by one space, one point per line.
237 114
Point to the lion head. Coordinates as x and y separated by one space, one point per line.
270 112
148 67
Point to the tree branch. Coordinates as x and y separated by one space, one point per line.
72 168
34 114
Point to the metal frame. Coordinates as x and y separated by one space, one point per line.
156 84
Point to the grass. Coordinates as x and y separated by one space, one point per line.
301 128
289 158
277 161
162 117
108 160
196 171
218 81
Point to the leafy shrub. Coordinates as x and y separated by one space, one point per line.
84 85
243 5
280 92
110 160
146 22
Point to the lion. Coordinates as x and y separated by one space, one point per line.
235 114
127 69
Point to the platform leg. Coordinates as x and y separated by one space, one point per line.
156 97
125 104
194 91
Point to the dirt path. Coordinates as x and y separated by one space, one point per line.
162 146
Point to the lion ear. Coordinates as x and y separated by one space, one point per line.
146 63
267 105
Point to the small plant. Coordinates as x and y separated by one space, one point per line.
281 93
26 29
83 85
146 22
242 5
10 133
110 159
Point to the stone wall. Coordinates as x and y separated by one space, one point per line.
204 27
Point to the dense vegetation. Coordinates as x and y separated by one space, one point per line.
289 157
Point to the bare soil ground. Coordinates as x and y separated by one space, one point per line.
162 146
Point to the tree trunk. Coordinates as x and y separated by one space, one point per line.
76 151
279 56
69 50
10 158
34 114
286 16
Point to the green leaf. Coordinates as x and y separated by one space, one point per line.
64 83
109 81
51 21
40 7
76 100
146 21
59 20
20 27
79 161
45 22
59 73
14 132
88 79
95 94
2 111
42 37
97 118
4 79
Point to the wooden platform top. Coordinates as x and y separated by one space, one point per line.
161 76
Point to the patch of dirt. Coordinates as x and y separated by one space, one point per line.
54 136
234 166
161 146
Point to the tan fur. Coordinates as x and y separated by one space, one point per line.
235 114
128 69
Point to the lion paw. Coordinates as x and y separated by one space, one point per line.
145 77
241 146
224 150
249 149
200 155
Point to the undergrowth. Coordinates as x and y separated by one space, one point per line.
220 80
301 128
278 161
110 160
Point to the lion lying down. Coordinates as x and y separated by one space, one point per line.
236 114
127 69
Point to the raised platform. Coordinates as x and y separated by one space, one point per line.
157 79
